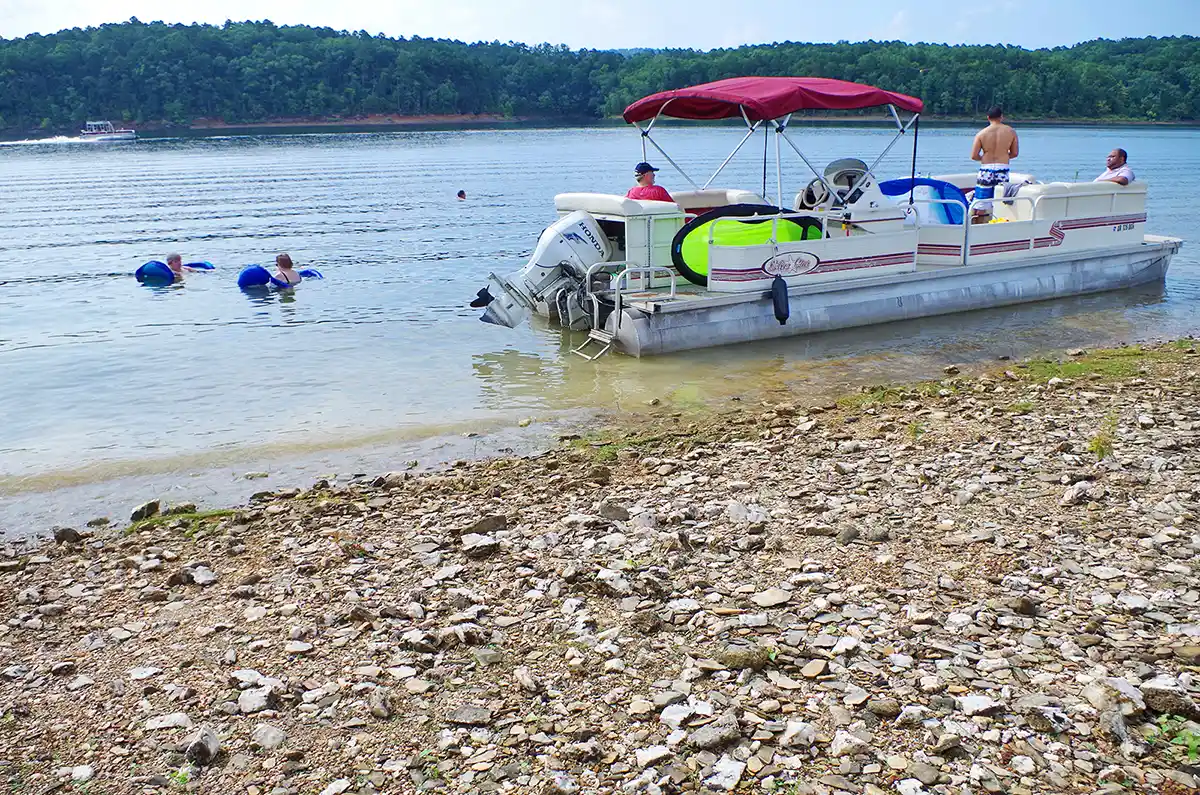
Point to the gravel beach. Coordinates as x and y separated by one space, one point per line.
984 584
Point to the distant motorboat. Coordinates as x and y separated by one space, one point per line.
104 131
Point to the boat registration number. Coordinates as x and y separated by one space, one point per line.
1123 227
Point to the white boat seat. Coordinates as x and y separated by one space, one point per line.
1058 200
966 182
612 204
697 201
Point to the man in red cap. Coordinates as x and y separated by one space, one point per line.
645 189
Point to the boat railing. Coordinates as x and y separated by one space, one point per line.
828 217
1035 202
775 218
619 282
969 211
622 278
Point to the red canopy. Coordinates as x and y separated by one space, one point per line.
765 98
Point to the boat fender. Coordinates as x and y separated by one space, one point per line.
779 297
257 276
154 273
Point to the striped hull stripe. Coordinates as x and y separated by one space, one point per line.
828 266
1058 233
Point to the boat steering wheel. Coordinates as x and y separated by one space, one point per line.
814 193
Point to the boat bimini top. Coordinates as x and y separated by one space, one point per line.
770 101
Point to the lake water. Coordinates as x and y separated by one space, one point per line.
112 392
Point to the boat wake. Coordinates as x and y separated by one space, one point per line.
57 139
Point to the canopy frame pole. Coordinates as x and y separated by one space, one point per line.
913 176
753 128
896 116
766 146
646 132
871 168
661 151
807 162
650 126
779 128
646 137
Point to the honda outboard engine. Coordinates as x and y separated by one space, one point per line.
564 252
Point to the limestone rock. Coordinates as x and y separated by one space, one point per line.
203 746
146 510
267 737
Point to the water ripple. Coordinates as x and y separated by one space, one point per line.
100 374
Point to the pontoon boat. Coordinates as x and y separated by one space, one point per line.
720 266
104 131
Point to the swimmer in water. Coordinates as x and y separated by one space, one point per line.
285 272
462 195
175 263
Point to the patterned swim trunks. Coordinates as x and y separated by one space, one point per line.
990 175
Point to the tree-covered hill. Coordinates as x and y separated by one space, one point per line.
254 71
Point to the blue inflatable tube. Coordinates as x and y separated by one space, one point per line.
946 213
154 273
253 276
200 266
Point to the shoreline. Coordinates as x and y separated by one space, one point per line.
30 506
379 119
979 581
385 122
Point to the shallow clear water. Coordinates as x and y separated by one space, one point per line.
101 378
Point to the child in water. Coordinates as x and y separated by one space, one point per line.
285 272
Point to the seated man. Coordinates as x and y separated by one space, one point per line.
1117 170
645 189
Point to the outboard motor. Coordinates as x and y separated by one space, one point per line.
564 252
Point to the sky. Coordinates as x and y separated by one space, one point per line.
613 24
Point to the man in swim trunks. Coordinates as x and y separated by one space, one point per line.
645 189
175 263
1118 171
994 147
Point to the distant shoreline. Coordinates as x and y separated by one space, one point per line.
385 122
372 120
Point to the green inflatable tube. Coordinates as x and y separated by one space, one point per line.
752 227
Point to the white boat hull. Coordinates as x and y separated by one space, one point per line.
650 327
125 135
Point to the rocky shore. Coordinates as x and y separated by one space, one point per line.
981 585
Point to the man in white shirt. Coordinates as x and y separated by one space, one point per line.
1117 171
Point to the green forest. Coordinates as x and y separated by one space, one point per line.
243 72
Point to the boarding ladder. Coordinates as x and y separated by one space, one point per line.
601 338
598 336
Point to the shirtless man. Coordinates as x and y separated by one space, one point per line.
994 147
175 263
